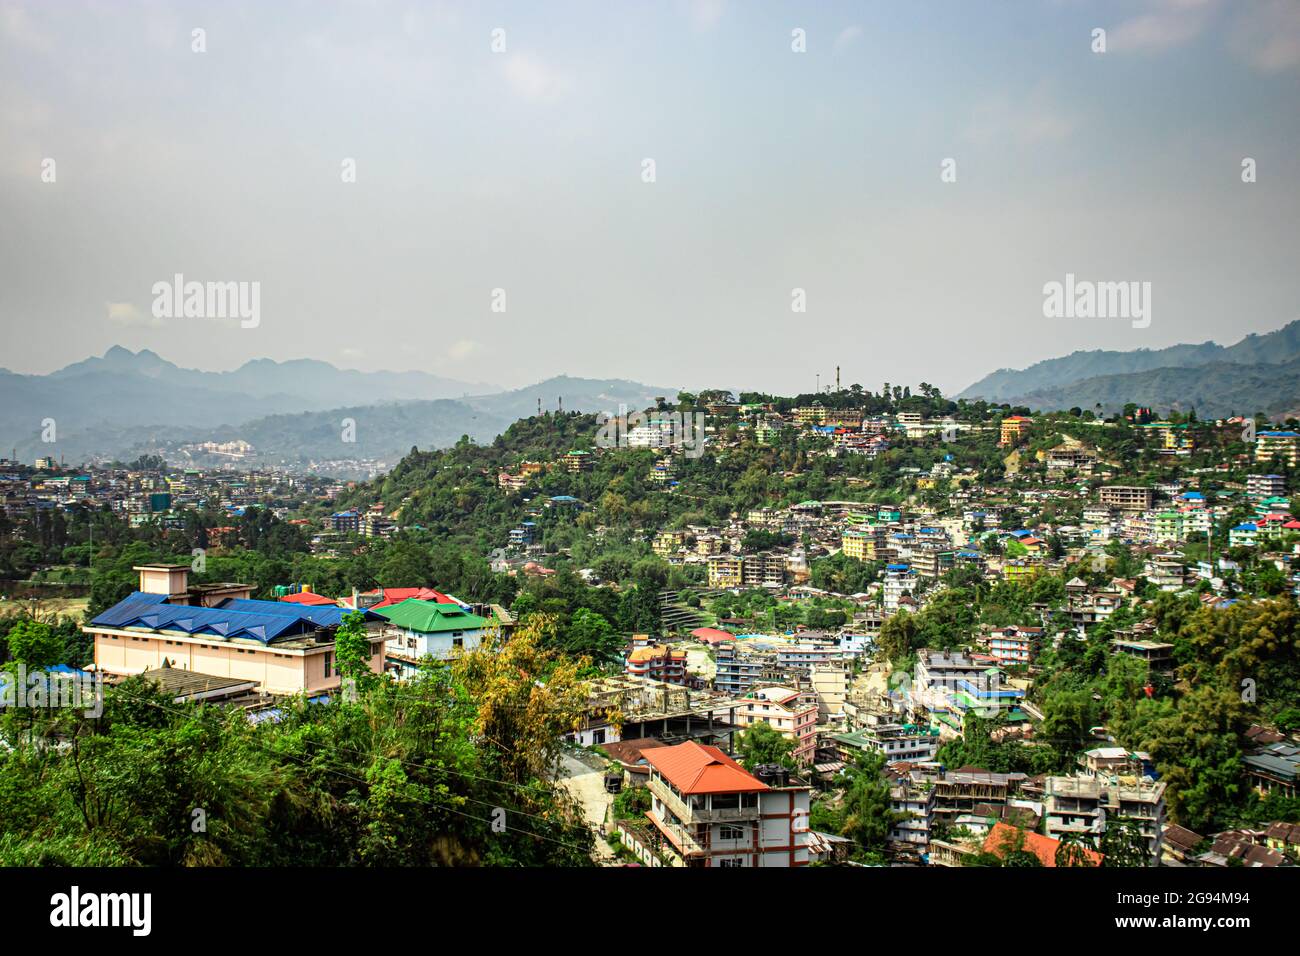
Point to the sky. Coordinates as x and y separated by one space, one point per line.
524 170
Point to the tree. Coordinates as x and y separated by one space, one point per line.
352 650
1123 844
35 644
868 817
761 744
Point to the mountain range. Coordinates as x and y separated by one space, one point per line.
1258 373
123 404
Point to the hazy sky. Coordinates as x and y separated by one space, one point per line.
523 170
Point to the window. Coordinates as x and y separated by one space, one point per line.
327 664
731 861
731 833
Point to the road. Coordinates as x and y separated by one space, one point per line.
588 787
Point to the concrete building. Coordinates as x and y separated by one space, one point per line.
711 812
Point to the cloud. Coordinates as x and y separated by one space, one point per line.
847 37
706 14
1267 36
15 25
1169 24
1027 122
125 313
463 348
533 80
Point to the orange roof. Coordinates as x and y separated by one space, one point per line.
643 654
1043 847
695 768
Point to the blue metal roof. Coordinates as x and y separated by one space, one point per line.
261 621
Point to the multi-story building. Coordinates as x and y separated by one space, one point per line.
656 662
1284 446
1013 644
791 712
1012 428
899 580
1083 805
725 571
344 522
712 812
914 743
578 461
762 570
1126 497
1259 487
737 672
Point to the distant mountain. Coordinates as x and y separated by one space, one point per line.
1246 377
124 404
1216 390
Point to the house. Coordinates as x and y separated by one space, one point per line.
217 630
1013 644
418 629
1004 839
712 812
791 712
655 661
1180 846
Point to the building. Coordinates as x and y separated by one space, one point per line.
1277 445
1126 497
1012 428
216 629
791 712
1159 656
578 461
1082 805
1259 487
1004 839
656 662
737 672
913 743
344 522
725 571
712 812
418 629
1013 644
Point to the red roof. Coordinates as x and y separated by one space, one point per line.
398 595
711 635
695 768
309 597
1043 847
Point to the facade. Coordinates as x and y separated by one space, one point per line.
791 712
1082 805
1277 445
712 812
216 630
418 629
1126 497
724 571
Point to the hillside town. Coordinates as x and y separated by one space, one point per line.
948 663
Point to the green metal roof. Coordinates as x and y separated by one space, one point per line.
426 617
